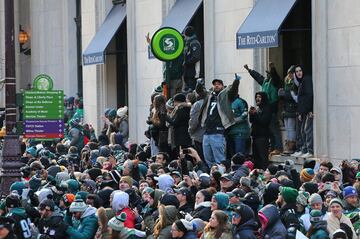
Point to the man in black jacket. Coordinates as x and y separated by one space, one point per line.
287 203
260 118
51 224
192 55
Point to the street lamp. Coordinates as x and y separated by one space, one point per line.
24 38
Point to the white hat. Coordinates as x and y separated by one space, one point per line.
121 112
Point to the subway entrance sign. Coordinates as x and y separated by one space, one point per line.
43 110
167 44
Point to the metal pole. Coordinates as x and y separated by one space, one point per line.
10 156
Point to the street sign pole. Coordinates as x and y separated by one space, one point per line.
10 156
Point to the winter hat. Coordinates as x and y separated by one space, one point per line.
32 151
169 199
44 194
336 200
309 163
165 182
115 175
82 195
90 184
331 193
222 200
78 205
12 201
47 203
315 216
104 151
121 112
328 177
302 198
289 194
184 225
68 199
245 212
117 223
104 195
120 201
18 186
61 176
245 181
315 198
249 165
272 169
128 180
94 173
252 200
271 192
307 174
73 185
357 175
205 180
349 191
339 234
180 97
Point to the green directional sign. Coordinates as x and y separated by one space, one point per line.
43 82
167 44
47 104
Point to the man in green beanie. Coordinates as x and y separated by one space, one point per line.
287 204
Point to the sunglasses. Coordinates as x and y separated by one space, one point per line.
236 215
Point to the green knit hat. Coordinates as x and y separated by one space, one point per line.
78 205
117 223
289 194
315 216
358 175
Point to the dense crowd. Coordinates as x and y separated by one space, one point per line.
203 173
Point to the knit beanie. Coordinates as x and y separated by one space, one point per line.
169 199
78 205
310 187
272 169
18 186
222 200
358 175
302 198
349 191
271 192
121 112
73 185
249 165
336 200
309 163
117 223
12 201
307 174
289 194
94 173
315 198
82 195
68 199
128 180
115 175
245 181
315 216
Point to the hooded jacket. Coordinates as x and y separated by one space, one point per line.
261 119
224 100
53 227
274 229
247 226
320 231
195 130
180 123
171 213
192 55
202 211
88 225
150 213
333 224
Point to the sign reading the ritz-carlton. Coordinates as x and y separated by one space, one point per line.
257 40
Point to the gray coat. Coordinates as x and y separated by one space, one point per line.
195 130
224 100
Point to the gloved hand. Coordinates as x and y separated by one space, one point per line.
237 77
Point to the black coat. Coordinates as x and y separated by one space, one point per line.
260 121
180 123
246 230
305 95
202 212
192 54
53 227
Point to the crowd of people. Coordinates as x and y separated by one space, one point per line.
203 173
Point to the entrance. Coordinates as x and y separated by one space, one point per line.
295 40
121 66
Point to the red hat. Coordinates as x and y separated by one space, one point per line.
68 199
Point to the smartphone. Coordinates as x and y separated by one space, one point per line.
186 151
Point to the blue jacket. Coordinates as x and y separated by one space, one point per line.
87 228
275 229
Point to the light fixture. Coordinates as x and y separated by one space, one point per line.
23 38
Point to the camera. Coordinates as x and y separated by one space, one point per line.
186 151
